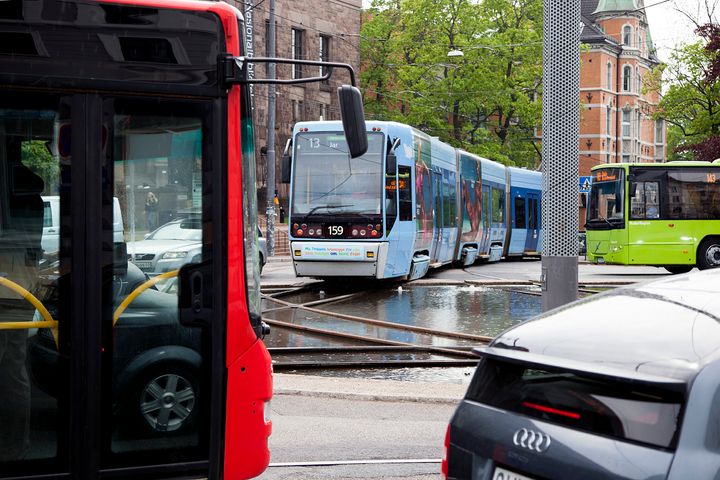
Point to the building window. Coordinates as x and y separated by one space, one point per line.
323 112
639 80
627 78
608 124
297 108
626 158
297 51
627 35
659 131
608 79
324 53
626 123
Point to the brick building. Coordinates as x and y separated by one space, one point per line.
328 30
616 123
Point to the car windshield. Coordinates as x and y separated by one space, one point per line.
186 230
326 180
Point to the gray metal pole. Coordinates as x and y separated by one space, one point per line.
560 150
270 181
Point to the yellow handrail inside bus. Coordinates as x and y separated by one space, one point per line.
49 322
141 288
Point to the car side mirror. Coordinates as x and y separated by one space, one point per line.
353 120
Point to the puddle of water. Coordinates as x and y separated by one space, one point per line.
471 310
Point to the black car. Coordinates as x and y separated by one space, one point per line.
156 362
623 385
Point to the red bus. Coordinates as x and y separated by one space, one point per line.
130 328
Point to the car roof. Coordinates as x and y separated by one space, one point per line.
668 328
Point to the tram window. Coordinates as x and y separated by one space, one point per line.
520 212
486 207
449 199
498 205
532 215
405 192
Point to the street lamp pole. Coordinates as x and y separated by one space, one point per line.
560 150
270 180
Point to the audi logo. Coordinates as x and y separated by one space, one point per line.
531 440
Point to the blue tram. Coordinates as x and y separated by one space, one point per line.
409 204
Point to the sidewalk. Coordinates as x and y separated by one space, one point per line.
367 389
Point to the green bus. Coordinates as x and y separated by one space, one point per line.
661 214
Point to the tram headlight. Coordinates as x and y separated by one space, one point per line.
311 232
174 255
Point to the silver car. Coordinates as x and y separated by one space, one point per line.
624 385
169 247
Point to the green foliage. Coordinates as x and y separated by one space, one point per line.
691 102
486 101
37 158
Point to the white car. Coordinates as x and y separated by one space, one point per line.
51 223
169 247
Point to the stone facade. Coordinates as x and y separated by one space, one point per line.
616 124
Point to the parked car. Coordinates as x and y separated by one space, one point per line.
51 223
168 247
623 385
156 361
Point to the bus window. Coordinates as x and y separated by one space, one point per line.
158 178
29 273
645 203
694 195
520 212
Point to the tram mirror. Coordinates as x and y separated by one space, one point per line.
285 162
391 161
353 119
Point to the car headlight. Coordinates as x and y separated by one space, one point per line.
174 255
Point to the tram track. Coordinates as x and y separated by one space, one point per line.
376 352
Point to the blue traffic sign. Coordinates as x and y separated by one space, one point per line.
585 184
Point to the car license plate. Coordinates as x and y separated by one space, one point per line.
502 474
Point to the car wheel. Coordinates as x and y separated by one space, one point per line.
166 399
709 253
679 269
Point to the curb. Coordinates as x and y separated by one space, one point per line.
368 389
366 396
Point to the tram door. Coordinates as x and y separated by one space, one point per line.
438 215
533 224
99 371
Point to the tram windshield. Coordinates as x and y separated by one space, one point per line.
326 181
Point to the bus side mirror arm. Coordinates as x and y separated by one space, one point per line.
233 72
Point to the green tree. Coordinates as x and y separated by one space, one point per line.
485 101
35 156
691 104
